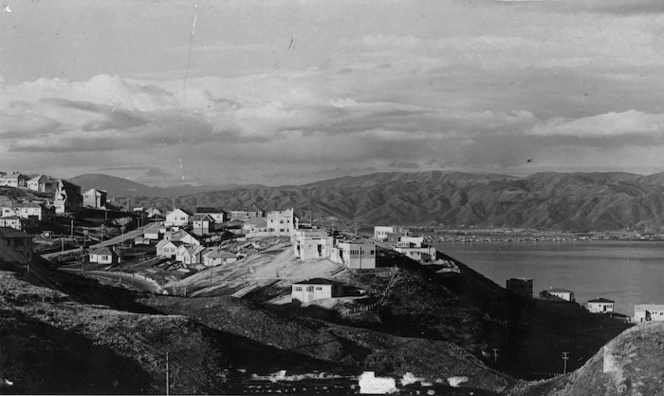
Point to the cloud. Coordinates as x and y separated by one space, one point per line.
628 123
404 165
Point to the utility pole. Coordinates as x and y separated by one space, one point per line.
495 356
167 376
72 228
62 241
565 358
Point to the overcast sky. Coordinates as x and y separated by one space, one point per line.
286 91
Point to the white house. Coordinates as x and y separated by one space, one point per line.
153 232
11 222
600 305
104 255
414 248
282 223
355 254
68 197
14 179
25 210
43 183
381 232
181 236
314 245
15 246
177 218
217 214
188 254
168 249
563 294
95 198
214 257
311 290
202 224
649 312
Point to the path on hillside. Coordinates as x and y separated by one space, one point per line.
119 277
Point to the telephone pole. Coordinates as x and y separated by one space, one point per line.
167 376
565 357
495 356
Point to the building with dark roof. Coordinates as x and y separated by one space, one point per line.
217 214
104 255
315 289
600 305
15 246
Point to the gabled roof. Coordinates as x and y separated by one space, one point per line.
6 232
12 176
199 217
28 205
103 251
164 242
315 281
181 210
601 300
96 190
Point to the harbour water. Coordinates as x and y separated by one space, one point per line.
627 272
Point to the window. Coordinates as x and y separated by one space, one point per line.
319 288
281 222
372 253
298 288
310 288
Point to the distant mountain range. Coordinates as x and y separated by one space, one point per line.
557 201
119 187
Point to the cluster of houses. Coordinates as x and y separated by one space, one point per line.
403 242
66 198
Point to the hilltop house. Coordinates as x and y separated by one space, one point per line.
309 244
381 233
600 305
557 294
15 246
356 254
43 183
216 256
649 312
14 179
177 218
520 286
68 197
244 214
414 248
315 289
282 223
95 198
217 214
203 224
104 255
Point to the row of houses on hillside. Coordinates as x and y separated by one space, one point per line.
403 242
17 216
355 253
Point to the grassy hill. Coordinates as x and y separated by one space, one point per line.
560 201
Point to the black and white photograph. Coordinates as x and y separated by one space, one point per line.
332 197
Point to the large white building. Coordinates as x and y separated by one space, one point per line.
649 312
177 218
381 233
355 254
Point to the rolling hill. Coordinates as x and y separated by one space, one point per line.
556 201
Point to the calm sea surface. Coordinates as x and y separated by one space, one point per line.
627 272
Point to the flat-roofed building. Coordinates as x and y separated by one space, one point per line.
600 305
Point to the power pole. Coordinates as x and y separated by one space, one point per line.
72 228
565 358
167 376
495 356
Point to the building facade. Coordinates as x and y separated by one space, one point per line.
68 198
649 312
15 246
95 198
600 305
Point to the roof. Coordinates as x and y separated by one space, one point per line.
558 290
601 300
6 232
102 251
247 209
204 209
648 307
181 210
67 184
10 218
315 281
28 205
96 190
14 175
199 217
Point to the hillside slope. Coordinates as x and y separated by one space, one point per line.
571 201
631 364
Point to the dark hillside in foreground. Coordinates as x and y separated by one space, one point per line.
557 201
